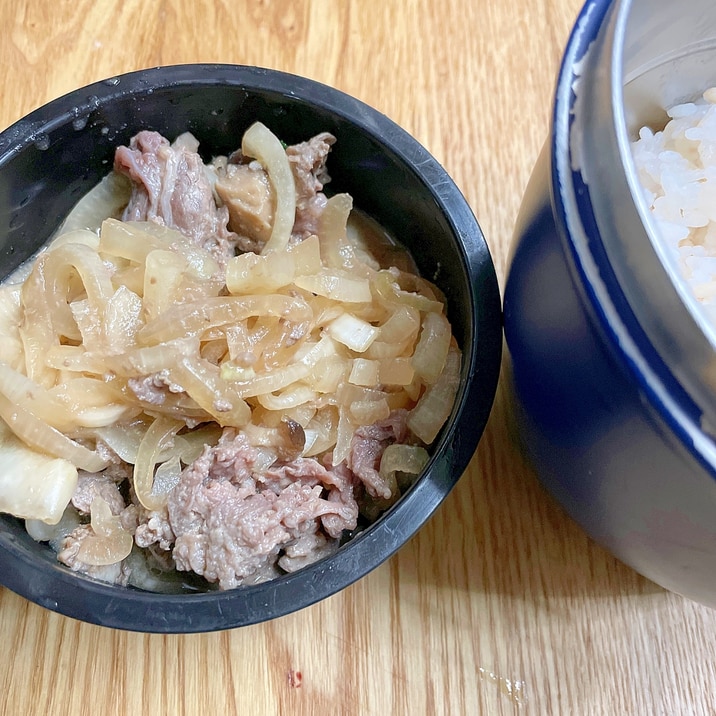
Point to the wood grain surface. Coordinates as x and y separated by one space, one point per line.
500 605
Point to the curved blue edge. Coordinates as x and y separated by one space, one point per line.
31 570
593 426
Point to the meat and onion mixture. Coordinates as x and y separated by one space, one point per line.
215 374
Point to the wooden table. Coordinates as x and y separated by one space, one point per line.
500 605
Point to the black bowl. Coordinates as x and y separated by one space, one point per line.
49 159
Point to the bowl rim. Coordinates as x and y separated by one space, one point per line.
131 609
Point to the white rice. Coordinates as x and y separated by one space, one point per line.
677 168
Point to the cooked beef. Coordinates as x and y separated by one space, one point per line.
154 528
369 443
170 186
338 483
117 573
97 484
149 527
307 549
308 163
232 525
153 388
129 517
246 192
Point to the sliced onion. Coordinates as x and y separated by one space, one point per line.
163 273
43 437
91 402
364 372
135 240
405 461
321 432
10 319
344 435
432 347
160 432
306 256
435 405
367 412
36 400
254 273
75 359
33 485
289 398
265 273
36 331
352 332
201 264
327 374
396 371
262 144
388 289
166 478
384 350
195 319
122 320
107 198
110 543
124 439
129 240
212 392
336 251
402 458
402 324
153 359
57 266
41 531
269 382
78 236
337 285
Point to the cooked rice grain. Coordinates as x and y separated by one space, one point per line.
677 169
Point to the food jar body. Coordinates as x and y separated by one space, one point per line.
609 362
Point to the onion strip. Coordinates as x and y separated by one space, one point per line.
43 437
387 287
336 251
57 266
432 347
110 543
262 144
36 331
218 397
35 399
196 318
434 406
153 442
